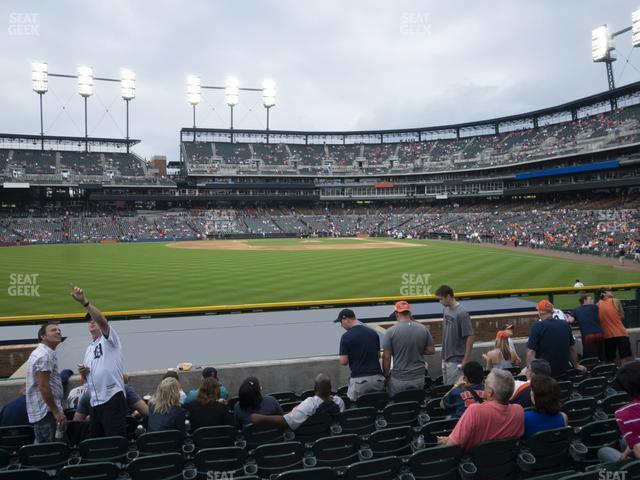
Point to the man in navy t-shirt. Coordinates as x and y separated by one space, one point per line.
592 335
360 349
552 340
15 412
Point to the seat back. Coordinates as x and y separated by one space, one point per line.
5 457
47 456
157 467
386 468
12 438
214 437
437 428
288 406
434 410
361 421
24 474
579 411
595 435
437 391
436 463
222 459
90 471
550 447
310 393
155 443
411 395
278 457
337 451
495 459
284 397
106 449
401 414
566 388
256 434
319 473
315 427
607 370
610 404
391 441
590 362
377 400
592 387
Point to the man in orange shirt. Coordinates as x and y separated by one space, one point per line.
616 338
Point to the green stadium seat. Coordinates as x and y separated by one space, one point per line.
607 370
566 389
256 434
550 451
157 467
5 458
495 459
285 397
223 459
314 428
401 414
435 411
380 469
12 438
590 362
288 406
46 456
361 421
90 471
611 403
337 451
155 443
214 437
391 441
437 428
579 411
439 391
553 476
342 390
411 395
592 387
24 474
378 400
106 449
595 475
598 434
310 393
320 473
278 458
436 463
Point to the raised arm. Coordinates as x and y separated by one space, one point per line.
96 315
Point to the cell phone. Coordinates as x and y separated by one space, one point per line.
80 366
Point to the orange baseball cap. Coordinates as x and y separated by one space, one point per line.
402 306
544 306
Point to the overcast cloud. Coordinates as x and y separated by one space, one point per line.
338 64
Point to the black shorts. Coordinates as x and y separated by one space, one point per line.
110 419
620 345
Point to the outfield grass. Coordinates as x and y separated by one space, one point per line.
150 275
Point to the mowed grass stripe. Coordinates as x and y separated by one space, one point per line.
137 276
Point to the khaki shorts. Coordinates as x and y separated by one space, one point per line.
361 385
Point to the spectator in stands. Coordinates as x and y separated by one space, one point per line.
44 385
546 414
15 411
590 330
494 419
407 342
502 356
321 402
76 393
466 391
250 400
103 369
208 372
360 349
552 340
457 335
206 410
616 337
628 378
508 330
174 374
522 389
165 412
135 404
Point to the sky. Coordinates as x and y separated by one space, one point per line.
337 64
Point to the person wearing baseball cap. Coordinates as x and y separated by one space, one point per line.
406 342
552 340
208 372
360 350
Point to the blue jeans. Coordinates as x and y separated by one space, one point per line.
45 430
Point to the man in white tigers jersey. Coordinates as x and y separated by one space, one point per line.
103 369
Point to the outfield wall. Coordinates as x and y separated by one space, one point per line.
282 375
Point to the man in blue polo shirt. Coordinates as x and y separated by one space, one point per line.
360 349
590 330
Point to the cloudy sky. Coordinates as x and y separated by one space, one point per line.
338 64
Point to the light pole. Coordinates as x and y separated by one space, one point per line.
128 93
85 89
193 97
231 96
268 98
40 85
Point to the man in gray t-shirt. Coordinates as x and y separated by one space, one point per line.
407 342
457 336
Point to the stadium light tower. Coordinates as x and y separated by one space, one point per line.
40 85
85 89
268 98
231 96
193 97
602 51
128 92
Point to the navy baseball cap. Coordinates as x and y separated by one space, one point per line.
346 313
